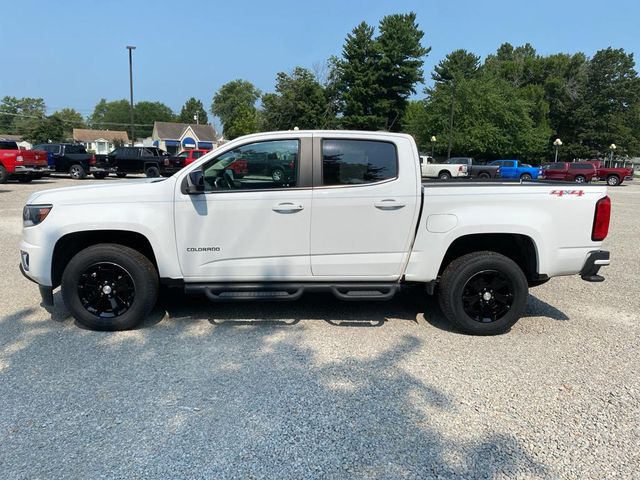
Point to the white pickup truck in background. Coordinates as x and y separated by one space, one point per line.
348 214
444 171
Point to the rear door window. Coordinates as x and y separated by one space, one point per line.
358 162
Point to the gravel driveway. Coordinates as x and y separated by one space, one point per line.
324 389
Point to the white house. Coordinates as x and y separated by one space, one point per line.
22 144
100 141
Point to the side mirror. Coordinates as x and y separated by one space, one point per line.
194 183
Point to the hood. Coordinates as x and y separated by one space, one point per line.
127 191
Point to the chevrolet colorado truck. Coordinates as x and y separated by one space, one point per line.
442 171
21 165
354 220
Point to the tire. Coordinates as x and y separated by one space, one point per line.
121 174
484 175
120 268
77 172
525 177
3 174
100 175
277 175
580 179
25 179
444 176
152 171
484 273
613 180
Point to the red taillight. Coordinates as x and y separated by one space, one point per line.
460 168
92 160
601 220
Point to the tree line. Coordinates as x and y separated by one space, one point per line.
27 117
514 103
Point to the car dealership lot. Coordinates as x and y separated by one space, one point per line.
320 388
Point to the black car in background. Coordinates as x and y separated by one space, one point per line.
71 158
125 160
476 169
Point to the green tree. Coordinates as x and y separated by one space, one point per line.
299 101
110 115
46 129
234 105
192 108
70 119
360 80
21 115
146 113
401 64
459 64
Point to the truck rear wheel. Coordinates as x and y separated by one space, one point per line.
77 172
109 287
483 293
152 171
3 174
444 175
613 180
525 177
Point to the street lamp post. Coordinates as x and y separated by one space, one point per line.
433 143
557 144
612 149
131 48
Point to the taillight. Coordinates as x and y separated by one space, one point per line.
19 158
92 160
601 220
460 168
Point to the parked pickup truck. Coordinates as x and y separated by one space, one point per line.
355 220
125 160
21 165
443 171
612 175
171 164
73 159
579 172
476 169
515 169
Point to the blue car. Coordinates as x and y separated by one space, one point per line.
515 169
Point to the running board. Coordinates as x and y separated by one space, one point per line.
276 291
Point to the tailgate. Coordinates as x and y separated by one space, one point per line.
33 158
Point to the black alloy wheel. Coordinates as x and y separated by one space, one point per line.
106 290
525 177
487 296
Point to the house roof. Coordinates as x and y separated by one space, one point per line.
88 135
11 138
173 131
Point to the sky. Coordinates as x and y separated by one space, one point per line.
72 53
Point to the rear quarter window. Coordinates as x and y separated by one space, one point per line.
358 162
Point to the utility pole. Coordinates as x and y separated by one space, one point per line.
131 48
195 117
453 99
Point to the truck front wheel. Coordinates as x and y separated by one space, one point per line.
109 287
483 293
3 174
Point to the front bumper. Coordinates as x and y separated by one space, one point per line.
595 260
46 293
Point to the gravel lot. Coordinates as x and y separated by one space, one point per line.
324 389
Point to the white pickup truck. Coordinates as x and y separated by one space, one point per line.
444 171
347 213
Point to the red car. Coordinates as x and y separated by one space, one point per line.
579 172
613 176
21 165
174 163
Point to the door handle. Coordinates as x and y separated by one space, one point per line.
287 207
388 204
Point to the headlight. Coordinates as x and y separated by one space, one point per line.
34 214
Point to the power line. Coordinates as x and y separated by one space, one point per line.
74 122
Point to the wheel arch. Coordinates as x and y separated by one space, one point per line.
520 248
72 243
